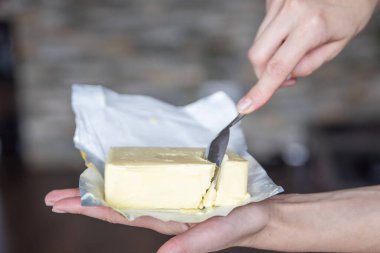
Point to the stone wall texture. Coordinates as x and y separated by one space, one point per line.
177 51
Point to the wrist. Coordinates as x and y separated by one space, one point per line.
279 209
339 221
294 224
273 209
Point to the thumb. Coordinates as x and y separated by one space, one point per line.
218 233
204 237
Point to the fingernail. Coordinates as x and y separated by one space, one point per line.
49 203
288 77
244 104
57 210
290 82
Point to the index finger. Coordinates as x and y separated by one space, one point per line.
56 195
278 69
73 205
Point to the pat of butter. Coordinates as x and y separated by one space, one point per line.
233 180
170 178
231 187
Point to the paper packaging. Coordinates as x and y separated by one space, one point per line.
106 119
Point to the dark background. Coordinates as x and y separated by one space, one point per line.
323 134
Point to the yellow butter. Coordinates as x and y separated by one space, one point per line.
171 178
233 179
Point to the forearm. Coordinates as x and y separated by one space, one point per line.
341 221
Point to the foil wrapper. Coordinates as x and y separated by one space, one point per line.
107 119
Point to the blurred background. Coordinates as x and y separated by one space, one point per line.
323 134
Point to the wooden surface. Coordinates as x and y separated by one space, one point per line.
31 227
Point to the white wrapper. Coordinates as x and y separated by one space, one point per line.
106 119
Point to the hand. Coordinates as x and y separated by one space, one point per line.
68 201
296 38
216 233
340 221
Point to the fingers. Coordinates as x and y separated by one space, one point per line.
272 10
272 4
57 195
210 235
280 66
290 82
315 58
73 205
267 43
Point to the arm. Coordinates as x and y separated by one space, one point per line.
296 38
341 221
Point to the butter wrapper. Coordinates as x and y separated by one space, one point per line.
107 119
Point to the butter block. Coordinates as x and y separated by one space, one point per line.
172 178
233 179
168 178
231 187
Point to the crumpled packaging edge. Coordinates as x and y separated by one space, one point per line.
91 182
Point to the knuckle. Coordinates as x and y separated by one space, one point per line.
276 68
314 24
316 21
175 245
315 27
308 70
259 96
254 57
305 69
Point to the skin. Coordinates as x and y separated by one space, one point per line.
295 38
340 221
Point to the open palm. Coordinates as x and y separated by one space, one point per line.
213 234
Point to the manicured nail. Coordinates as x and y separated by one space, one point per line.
244 104
57 210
